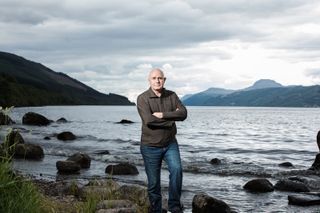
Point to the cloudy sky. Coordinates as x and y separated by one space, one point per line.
111 45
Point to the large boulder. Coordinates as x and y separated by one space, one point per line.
32 118
203 203
291 186
259 185
28 151
66 136
82 159
303 200
316 163
5 119
136 194
122 169
68 167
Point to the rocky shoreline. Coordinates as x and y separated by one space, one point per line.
112 196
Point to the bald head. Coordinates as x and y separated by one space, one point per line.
156 71
156 80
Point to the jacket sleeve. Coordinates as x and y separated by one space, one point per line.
180 112
147 117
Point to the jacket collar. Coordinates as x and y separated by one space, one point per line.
151 94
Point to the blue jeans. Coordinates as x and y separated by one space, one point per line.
153 157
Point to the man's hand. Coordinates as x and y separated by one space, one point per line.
158 114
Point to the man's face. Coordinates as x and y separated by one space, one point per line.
156 80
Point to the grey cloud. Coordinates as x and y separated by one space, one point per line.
250 8
313 73
112 38
113 29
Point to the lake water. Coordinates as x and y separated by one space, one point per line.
250 142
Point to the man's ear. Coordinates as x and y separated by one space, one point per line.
164 79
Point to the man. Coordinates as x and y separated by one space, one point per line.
159 109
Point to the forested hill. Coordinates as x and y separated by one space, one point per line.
27 83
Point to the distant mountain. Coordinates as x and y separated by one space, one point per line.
185 97
263 93
264 83
202 97
27 83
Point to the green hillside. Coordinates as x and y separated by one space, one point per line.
26 83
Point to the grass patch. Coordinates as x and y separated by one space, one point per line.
17 194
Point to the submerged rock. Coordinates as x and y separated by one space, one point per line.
122 169
28 151
66 136
300 200
291 186
68 167
215 161
125 121
259 185
82 159
32 118
62 120
203 203
286 164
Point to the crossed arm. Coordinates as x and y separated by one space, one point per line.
160 119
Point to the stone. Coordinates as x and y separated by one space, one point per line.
259 185
286 164
318 140
291 186
62 120
82 159
68 167
316 163
32 118
47 138
122 169
136 194
203 203
115 204
215 161
303 200
66 136
28 151
125 121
